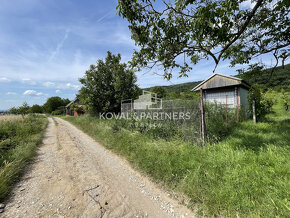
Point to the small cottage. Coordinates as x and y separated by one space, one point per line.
227 90
74 111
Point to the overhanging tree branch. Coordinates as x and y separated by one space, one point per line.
217 29
240 32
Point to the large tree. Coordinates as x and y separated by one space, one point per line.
106 84
53 103
169 30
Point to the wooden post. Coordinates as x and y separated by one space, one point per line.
238 102
203 124
254 111
226 108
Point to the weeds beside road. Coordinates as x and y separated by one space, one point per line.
246 174
19 138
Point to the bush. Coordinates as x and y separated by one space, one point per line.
269 98
220 121
264 100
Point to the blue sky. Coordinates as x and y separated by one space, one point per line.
45 46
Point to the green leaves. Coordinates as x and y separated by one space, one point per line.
160 91
218 29
106 84
53 103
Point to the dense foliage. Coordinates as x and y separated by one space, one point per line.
264 100
194 30
160 91
55 103
106 84
36 109
286 99
256 74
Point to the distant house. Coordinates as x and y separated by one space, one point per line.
73 112
227 90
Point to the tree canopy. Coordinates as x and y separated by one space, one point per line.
23 109
160 91
192 30
36 109
53 103
106 84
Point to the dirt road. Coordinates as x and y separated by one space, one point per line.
74 176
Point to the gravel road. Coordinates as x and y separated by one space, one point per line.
74 176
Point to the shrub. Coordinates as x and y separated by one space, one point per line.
264 100
219 121
269 98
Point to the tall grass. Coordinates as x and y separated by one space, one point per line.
18 142
246 174
220 120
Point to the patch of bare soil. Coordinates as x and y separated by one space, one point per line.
74 176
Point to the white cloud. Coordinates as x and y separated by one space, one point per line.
32 93
72 86
4 79
61 86
28 81
247 4
57 91
48 84
10 93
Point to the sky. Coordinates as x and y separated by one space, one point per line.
45 46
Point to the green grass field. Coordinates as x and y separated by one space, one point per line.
245 175
18 143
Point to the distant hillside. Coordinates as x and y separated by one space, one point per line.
280 77
182 87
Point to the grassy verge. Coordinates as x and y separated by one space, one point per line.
246 174
18 142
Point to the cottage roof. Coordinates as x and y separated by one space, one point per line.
218 80
73 101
